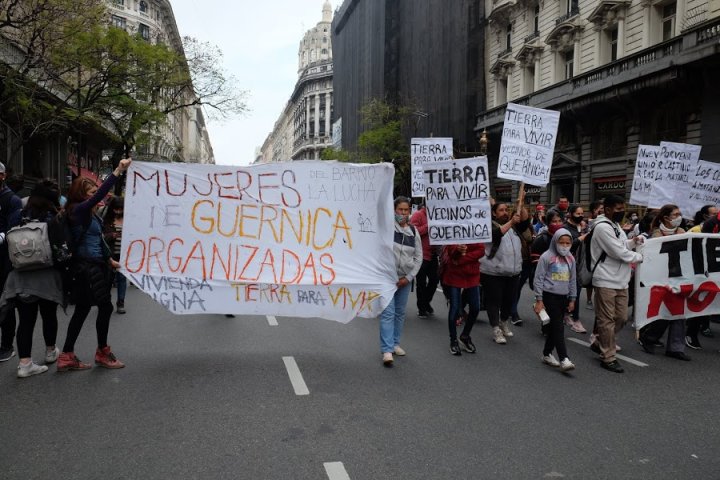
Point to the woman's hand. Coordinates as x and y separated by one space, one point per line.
539 306
114 265
571 305
402 282
122 166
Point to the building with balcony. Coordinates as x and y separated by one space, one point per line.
303 129
184 137
621 72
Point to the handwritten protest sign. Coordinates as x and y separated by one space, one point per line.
528 143
644 177
457 195
705 185
427 150
303 239
674 164
679 278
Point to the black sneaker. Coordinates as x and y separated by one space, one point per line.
455 349
422 314
430 310
649 347
6 354
693 343
613 366
467 344
516 320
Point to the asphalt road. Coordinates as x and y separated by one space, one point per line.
211 397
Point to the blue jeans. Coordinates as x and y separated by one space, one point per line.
392 320
472 295
121 283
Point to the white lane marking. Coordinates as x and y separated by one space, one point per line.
272 321
295 376
621 357
336 471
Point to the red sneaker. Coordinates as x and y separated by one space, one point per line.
68 361
104 357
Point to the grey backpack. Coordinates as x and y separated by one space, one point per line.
29 246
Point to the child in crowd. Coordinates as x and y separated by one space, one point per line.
555 289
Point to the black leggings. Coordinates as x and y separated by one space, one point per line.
102 324
556 308
28 315
499 293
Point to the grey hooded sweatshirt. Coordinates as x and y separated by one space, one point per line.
555 273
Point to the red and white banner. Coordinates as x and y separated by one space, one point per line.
679 278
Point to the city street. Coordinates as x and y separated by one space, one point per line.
212 397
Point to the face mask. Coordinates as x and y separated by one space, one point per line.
675 222
401 218
617 217
552 228
577 219
563 251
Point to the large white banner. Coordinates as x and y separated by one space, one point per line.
672 176
679 278
644 177
457 196
528 144
427 150
301 239
705 185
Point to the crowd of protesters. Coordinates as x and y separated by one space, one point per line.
540 251
85 232
85 250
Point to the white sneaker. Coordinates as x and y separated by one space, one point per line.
387 359
566 365
51 356
498 336
505 329
399 351
550 360
30 369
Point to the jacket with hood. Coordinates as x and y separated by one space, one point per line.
408 251
507 261
555 273
615 271
419 220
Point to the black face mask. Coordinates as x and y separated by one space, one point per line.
617 217
577 220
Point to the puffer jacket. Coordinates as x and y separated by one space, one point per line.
507 261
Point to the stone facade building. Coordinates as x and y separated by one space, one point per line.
184 137
621 72
303 129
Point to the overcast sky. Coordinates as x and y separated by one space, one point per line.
260 42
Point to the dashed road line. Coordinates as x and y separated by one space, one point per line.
621 357
272 321
295 376
336 471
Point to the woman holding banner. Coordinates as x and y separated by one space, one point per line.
667 222
92 269
407 248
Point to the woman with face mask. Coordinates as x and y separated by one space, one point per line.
667 222
555 287
407 248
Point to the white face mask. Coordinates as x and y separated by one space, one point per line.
675 222
563 251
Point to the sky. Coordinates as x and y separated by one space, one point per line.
260 41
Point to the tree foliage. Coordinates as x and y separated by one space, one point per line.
73 69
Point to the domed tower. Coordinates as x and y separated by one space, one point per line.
316 45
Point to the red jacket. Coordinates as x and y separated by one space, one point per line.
419 221
462 271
